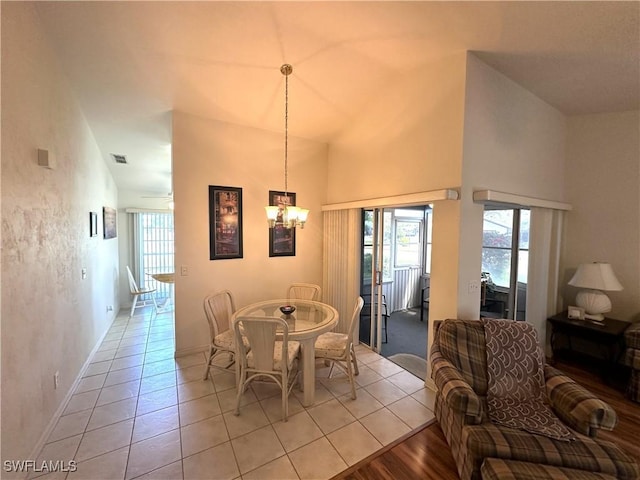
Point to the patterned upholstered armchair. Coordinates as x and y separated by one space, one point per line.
632 359
459 369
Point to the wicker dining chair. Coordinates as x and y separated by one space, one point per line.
338 348
218 308
304 291
268 358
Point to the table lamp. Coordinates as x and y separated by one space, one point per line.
594 277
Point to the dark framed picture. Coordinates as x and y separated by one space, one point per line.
93 224
225 222
109 222
282 240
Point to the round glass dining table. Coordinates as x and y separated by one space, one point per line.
309 320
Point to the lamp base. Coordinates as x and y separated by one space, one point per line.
594 318
594 302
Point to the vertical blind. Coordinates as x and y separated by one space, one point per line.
341 265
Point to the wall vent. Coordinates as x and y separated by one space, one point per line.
119 158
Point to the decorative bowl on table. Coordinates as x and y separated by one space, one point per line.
287 309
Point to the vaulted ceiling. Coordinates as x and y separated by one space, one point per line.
132 63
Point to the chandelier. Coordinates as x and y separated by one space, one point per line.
287 215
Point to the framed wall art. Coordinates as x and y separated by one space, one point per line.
93 224
109 222
282 240
225 222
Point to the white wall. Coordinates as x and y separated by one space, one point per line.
51 317
513 142
454 123
603 185
409 140
207 152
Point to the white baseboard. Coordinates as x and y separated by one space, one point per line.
183 352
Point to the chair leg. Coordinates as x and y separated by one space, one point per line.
241 387
333 364
355 360
133 305
155 304
285 395
351 379
236 367
208 366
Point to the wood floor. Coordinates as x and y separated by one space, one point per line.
426 454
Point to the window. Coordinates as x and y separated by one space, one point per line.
505 255
408 242
498 248
368 246
408 235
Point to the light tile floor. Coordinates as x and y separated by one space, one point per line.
140 413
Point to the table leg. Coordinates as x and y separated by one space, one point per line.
308 371
168 302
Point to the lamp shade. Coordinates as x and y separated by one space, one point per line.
596 276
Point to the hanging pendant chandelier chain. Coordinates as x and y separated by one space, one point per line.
286 131
285 213
286 70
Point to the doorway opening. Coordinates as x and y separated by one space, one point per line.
396 266
153 252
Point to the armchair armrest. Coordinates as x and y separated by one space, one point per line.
456 392
576 406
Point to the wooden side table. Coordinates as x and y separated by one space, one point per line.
607 335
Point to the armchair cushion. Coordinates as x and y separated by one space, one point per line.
497 469
489 440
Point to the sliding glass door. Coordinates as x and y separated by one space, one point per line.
505 262
372 275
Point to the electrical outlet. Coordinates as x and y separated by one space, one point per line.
184 270
109 308
84 273
56 379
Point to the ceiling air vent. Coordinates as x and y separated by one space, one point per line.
119 158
